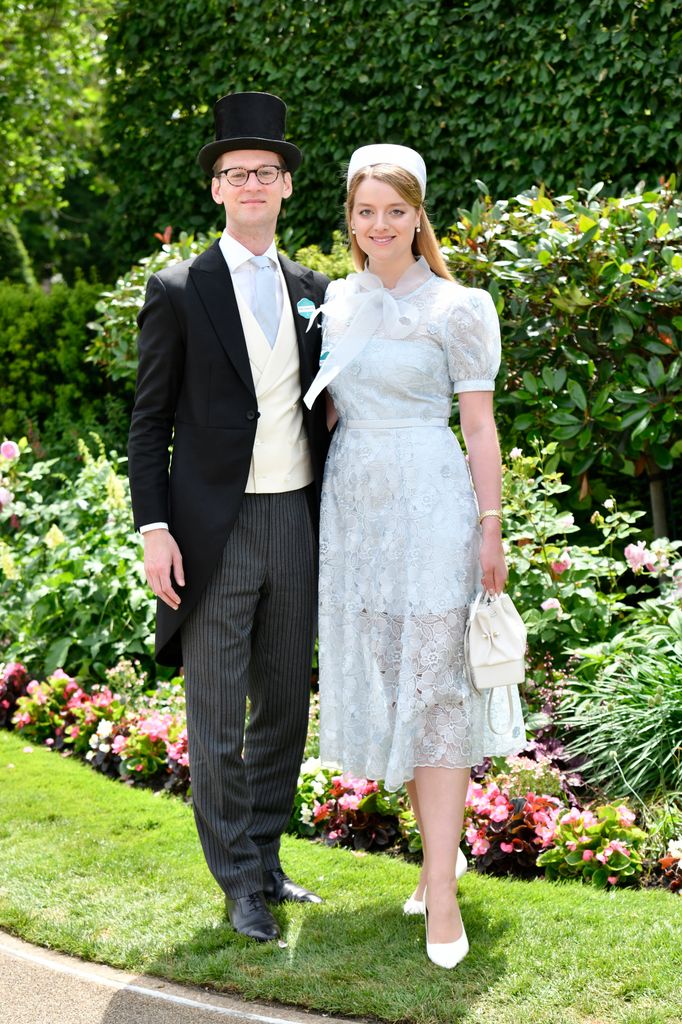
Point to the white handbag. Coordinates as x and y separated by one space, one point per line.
494 649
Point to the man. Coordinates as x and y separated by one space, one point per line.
230 530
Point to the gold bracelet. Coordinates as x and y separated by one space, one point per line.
490 513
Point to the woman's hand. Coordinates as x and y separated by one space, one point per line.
494 570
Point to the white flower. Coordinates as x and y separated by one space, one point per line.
515 453
318 788
105 728
91 753
675 848
310 766
609 503
306 814
94 741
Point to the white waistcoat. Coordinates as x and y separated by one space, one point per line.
281 453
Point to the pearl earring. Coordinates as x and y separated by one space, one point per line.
418 227
353 230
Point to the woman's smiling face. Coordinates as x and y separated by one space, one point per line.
384 224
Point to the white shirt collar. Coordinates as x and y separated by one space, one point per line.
236 254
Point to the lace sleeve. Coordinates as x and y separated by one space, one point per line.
473 342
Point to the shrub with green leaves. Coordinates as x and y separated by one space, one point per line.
589 290
622 707
71 584
603 847
47 389
114 346
574 592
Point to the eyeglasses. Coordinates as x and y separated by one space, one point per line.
266 175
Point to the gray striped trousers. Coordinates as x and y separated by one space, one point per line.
251 633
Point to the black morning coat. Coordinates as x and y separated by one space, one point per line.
195 391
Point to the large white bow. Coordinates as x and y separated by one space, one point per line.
370 307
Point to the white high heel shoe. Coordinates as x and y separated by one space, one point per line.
445 954
414 907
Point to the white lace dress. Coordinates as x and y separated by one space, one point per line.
399 534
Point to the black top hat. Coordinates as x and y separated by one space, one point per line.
249 120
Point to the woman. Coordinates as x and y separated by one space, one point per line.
405 542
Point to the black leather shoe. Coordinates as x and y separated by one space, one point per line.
249 916
278 888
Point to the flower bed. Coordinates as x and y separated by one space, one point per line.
509 828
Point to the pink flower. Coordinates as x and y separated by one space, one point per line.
5 497
480 846
625 816
571 845
349 802
507 847
320 811
615 846
9 450
588 854
571 816
562 563
639 557
500 811
156 727
118 744
612 879
550 603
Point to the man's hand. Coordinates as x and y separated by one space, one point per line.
161 556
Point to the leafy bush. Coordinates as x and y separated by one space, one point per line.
13 682
114 347
602 847
511 93
135 735
574 595
622 708
71 583
590 295
47 389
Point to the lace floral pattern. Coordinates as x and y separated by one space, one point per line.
399 543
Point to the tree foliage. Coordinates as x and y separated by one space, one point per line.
509 93
50 55
590 295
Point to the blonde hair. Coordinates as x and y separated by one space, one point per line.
408 188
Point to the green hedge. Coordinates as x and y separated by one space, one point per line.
46 387
510 93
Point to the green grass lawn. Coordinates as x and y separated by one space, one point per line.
116 875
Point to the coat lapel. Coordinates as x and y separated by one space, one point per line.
299 282
213 283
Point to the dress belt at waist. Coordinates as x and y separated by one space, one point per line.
438 421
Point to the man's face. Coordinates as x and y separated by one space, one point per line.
251 206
